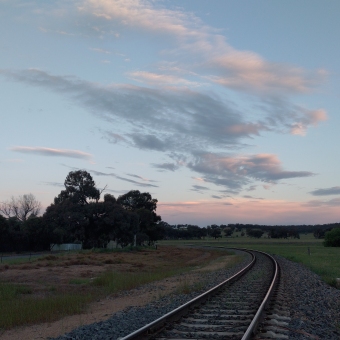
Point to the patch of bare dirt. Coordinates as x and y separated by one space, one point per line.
59 272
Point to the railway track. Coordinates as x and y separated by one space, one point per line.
231 310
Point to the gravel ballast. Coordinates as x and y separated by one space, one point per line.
314 306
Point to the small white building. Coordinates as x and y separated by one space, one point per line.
66 246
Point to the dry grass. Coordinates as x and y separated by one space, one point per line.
60 285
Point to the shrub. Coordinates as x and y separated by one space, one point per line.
332 238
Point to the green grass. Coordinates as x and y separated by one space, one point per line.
16 311
114 282
324 261
17 307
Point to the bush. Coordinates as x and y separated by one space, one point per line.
332 238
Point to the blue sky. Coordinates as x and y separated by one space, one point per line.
225 111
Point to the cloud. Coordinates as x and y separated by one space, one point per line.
43 151
252 197
326 191
335 202
141 15
247 71
54 184
145 185
142 178
237 171
161 79
193 128
111 174
199 188
150 142
205 47
100 50
172 119
166 166
185 119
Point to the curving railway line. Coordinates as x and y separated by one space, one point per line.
234 309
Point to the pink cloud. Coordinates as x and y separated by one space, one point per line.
43 151
239 70
310 117
247 71
162 79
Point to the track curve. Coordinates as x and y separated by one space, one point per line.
231 310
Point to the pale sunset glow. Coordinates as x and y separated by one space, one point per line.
225 111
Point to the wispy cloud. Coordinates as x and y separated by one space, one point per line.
199 188
141 178
54 184
111 174
176 119
335 202
166 166
236 172
140 184
226 66
164 79
43 151
184 124
100 50
326 191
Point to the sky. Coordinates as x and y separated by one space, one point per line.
225 111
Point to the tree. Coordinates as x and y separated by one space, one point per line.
257 233
227 230
215 233
4 235
135 200
332 238
21 208
38 235
78 215
145 207
79 187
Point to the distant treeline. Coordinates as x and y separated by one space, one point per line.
300 228
189 231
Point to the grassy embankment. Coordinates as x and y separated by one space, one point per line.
19 305
324 261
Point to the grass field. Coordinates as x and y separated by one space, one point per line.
50 287
324 261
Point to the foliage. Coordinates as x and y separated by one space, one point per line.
320 233
281 232
79 188
332 238
77 214
216 233
255 233
144 206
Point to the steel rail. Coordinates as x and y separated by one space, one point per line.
181 310
258 316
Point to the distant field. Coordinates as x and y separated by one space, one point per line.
324 261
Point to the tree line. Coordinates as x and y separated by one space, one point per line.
77 215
